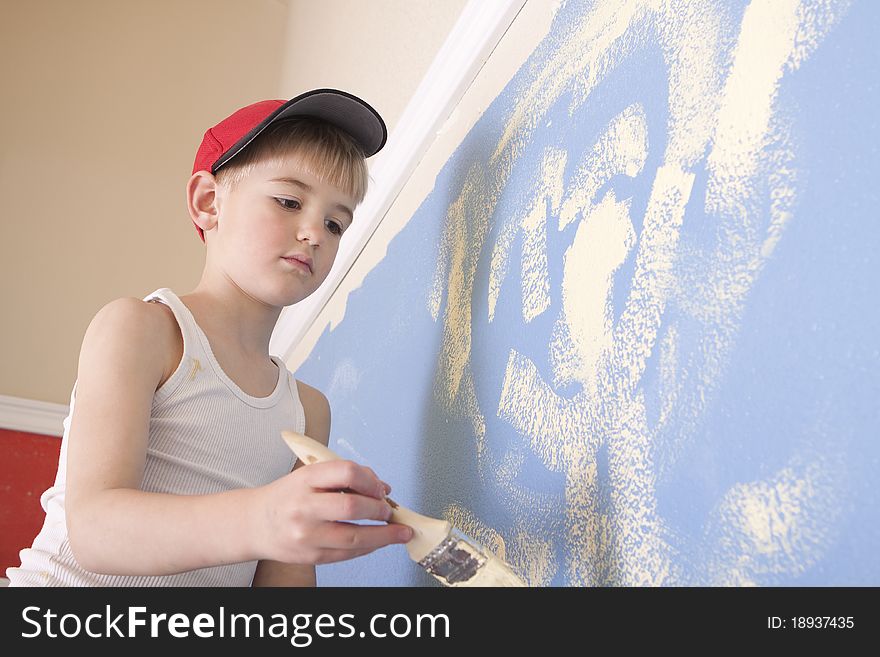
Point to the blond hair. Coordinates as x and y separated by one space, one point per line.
329 152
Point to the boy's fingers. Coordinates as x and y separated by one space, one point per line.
339 475
349 538
351 506
384 483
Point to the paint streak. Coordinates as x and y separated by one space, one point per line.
781 525
535 279
583 332
467 224
346 378
465 520
621 149
547 191
195 368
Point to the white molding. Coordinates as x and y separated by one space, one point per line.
33 416
472 39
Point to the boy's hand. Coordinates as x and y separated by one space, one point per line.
304 517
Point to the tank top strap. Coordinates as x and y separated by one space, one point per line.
197 348
192 345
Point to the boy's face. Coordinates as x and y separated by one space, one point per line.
280 209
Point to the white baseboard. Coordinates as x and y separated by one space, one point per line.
32 416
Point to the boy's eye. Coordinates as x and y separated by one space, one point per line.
284 202
293 204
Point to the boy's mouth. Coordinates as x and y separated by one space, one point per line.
296 258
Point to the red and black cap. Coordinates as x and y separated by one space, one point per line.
229 137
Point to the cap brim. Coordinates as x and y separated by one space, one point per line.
340 108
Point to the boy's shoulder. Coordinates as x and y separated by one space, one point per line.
130 312
316 408
154 321
132 307
312 398
171 336
125 335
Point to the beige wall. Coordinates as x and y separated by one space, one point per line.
377 49
104 104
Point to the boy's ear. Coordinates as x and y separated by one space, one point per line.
201 200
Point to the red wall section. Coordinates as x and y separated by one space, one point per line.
28 462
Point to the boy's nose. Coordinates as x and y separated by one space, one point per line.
310 230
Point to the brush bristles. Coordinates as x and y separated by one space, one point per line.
456 562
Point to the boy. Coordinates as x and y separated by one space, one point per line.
172 469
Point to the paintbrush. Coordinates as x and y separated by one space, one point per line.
439 548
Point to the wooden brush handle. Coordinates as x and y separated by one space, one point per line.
428 532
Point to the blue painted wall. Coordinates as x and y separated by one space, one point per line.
631 336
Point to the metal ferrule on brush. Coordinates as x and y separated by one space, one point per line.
454 560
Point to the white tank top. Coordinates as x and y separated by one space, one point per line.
206 436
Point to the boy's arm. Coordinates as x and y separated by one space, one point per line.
275 573
114 527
